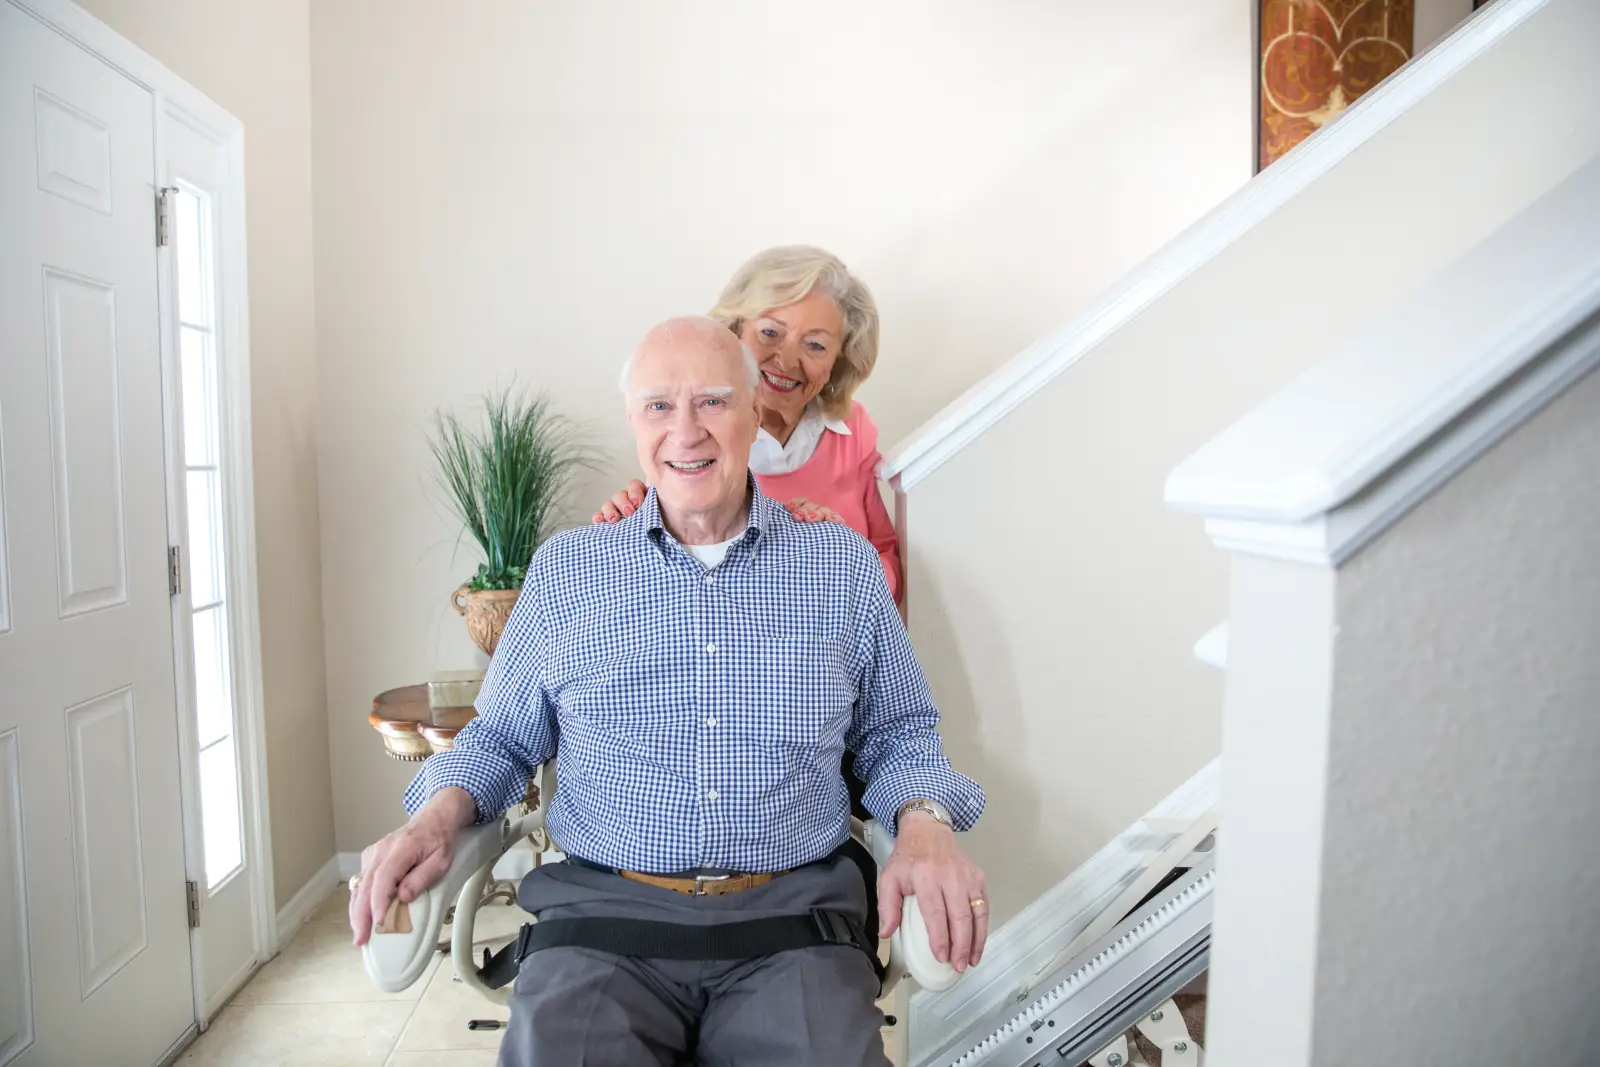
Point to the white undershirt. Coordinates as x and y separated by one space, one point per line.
711 555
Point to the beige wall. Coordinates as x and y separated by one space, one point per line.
254 60
523 189
1434 19
1054 599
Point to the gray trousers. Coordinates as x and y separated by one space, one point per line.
574 1007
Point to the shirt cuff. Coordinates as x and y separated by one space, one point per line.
960 794
489 790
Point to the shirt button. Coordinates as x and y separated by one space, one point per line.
711 720
710 578
712 647
711 794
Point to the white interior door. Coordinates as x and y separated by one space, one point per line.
94 944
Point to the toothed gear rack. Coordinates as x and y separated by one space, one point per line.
1124 981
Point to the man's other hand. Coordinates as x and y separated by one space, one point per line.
949 889
408 861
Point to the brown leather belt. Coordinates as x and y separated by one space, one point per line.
708 885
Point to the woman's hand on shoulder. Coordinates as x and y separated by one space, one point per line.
624 503
805 510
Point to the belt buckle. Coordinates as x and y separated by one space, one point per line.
700 879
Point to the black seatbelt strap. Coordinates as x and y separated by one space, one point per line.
857 853
748 939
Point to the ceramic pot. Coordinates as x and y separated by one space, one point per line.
486 612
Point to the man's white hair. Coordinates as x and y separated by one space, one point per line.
706 327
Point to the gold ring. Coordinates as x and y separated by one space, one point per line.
977 903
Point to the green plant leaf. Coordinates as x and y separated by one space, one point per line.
508 478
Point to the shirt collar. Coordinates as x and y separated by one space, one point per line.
761 523
814 413
767 456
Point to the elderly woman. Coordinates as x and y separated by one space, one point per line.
813 327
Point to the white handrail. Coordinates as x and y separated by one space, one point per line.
1416 394
966 418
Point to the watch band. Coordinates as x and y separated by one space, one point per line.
932 807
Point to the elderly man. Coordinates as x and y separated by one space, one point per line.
698 671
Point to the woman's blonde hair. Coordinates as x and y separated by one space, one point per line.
783 275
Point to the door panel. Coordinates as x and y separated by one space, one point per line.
74 153
81 348
16 1001
108 858
89 770
5 555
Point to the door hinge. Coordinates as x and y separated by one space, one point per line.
194 904
164 216
174 570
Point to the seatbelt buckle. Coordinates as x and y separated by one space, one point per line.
502 967
834 928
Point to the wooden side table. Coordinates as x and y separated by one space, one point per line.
412 731
410 728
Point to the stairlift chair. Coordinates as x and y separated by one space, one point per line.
398 953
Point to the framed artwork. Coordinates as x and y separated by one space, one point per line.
1316 58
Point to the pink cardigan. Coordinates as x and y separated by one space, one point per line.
843 474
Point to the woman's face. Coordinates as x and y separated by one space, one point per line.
796 346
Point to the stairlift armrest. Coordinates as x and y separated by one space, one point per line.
396 960
909 948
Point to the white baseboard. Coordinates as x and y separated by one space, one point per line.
310 896
1048 925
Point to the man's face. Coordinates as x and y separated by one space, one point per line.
694 418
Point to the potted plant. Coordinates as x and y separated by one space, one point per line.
507 481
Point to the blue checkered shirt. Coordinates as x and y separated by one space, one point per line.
698 717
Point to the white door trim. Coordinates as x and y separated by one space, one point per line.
176 98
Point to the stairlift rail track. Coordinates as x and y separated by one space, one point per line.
1091 1000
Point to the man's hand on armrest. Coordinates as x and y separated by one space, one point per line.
408 861
949 888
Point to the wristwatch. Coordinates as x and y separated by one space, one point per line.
932 807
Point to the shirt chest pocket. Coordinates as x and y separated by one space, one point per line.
793 691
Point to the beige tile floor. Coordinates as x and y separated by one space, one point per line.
315 1005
